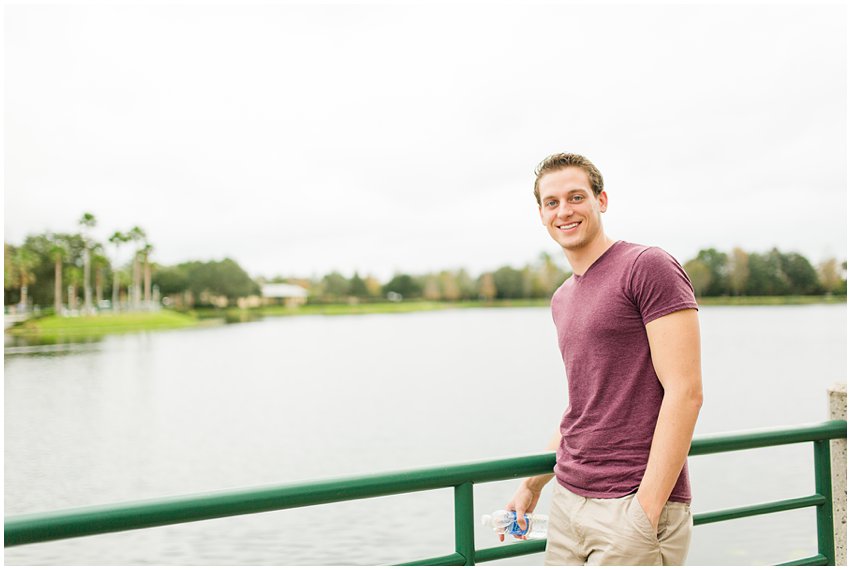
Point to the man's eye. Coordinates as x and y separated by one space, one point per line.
550 203
576 198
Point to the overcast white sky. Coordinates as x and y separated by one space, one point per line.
301 138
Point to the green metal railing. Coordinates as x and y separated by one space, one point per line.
42 527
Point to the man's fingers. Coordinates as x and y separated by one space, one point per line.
521 519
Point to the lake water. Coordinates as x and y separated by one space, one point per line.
292 399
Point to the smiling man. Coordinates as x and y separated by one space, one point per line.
628 333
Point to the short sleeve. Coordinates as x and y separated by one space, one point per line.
659 285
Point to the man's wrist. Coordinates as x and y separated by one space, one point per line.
536 484
651 505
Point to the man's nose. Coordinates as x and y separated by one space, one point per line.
565 210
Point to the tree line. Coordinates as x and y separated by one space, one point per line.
73 271
739 273
713 274
537 280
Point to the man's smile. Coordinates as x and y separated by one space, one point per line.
568 227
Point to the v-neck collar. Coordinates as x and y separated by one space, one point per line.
578 277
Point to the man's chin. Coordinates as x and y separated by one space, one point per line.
573 245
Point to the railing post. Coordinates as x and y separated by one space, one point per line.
465 543
839 464
824 513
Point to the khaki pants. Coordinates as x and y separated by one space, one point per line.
614 532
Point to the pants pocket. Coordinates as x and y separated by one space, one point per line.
640 521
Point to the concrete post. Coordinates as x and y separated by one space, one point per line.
839 468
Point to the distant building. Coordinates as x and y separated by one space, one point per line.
283 294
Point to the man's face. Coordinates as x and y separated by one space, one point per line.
569 209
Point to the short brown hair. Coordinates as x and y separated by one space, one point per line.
561 160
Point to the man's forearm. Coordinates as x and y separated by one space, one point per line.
669 449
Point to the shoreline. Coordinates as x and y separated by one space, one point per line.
91 327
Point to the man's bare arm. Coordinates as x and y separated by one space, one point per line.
675 350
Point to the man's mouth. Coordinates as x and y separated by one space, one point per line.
568 226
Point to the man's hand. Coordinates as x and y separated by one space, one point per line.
524 502
526 498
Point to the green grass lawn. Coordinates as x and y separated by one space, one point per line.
92 326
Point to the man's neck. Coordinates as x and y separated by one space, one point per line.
580 260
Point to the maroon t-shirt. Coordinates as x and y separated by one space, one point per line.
613 391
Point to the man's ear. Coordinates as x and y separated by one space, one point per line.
603 199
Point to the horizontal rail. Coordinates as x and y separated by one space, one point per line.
453 559
736 441
521 549
41 527
761 509
818 560
70 523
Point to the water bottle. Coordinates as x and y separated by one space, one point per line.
505 522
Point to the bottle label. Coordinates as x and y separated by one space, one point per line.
515 529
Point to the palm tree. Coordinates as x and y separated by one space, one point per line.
87 222
137 235
73 275
58 251
99 263
24 261
10 273
117 239
146 252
